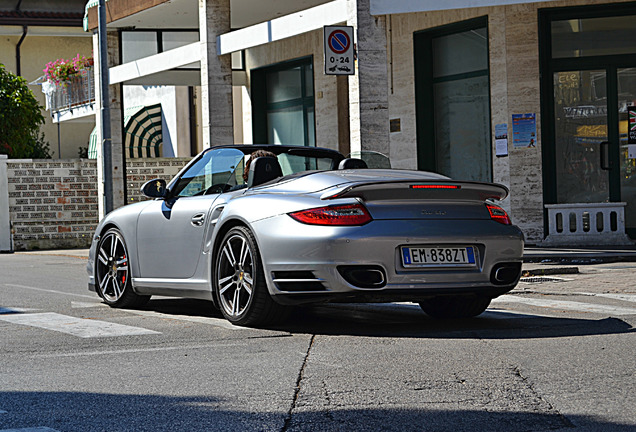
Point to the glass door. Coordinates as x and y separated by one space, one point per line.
580 107
594 161
626 89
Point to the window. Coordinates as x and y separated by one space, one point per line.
453 101
214 172
283 104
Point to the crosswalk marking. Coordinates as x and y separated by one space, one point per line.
32 429
49 291
13 310
566 305
83 328
196 319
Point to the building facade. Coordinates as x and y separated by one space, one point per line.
534 95
33 33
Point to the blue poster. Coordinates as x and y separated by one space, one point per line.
524 130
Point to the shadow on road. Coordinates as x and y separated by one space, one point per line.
403 320
78 411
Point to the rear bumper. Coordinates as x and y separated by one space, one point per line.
303 263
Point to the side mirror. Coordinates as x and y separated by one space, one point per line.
155 188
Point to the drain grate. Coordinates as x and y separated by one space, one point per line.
541 279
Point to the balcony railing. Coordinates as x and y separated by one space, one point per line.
80 90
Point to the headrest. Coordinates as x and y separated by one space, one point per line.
352 163
263 170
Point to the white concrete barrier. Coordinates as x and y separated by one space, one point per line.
587 224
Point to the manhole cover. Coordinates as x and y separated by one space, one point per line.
541 279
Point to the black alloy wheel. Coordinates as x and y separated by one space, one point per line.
112 272
240 284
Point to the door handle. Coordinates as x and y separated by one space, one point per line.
605 160
198 219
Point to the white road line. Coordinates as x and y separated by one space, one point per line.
50 291
622 297
83 328
83 305
141 350
12 310
33 429
565 305
196 319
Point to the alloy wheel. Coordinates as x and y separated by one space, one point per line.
112 267
235 275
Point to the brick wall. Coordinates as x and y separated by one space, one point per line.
53 203
139 171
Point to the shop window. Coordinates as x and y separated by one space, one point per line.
283 103
453 101
585 37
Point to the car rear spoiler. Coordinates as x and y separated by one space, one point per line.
423 190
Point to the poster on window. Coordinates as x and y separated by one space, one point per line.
524 130
631 132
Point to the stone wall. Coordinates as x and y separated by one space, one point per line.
53 204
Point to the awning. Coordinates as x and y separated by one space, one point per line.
142 130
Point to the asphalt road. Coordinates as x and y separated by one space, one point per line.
554 354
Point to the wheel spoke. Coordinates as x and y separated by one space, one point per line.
225 279
248 288
226 287
227 250
103 257
113 245
103 283
247 283
235 304
117 288
244 252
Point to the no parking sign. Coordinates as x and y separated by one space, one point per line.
339 51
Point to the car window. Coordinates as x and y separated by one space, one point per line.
291 164
215 172
372 158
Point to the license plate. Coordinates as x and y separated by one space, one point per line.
425 256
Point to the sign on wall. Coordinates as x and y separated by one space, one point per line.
524 130
339 52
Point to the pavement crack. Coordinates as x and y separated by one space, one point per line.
299 379
566 422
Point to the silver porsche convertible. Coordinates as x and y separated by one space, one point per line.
256 229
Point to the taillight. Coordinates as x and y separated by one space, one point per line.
353 214
498 214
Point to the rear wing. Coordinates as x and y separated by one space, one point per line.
439 190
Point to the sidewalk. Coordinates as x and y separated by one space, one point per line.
532 254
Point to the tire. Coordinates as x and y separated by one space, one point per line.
449 307
112 272
240 284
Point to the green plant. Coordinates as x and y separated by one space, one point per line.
20 119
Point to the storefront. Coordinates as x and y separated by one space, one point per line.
588 64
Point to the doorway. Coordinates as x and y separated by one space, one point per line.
452 100
588 85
